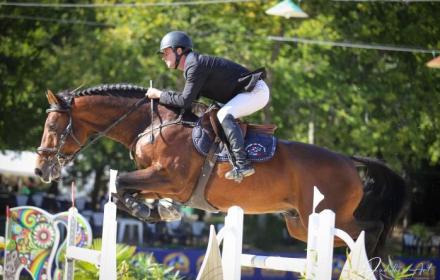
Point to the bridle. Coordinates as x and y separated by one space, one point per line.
63 158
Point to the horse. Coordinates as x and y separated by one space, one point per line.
168 165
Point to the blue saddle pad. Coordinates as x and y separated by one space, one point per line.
259 146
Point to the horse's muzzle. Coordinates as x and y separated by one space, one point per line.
38 172
48 172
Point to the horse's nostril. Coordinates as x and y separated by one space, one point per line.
38 172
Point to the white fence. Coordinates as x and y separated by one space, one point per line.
106 258
317 264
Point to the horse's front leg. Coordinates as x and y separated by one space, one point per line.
153 180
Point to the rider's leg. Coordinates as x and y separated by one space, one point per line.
241 105
236 142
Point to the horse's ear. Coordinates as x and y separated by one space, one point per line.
53 100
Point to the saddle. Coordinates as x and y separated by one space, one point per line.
209 140
260 143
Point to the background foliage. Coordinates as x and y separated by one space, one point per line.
373 103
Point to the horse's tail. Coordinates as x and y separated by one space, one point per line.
385 195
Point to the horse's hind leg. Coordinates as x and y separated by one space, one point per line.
373 231
295 227
353 227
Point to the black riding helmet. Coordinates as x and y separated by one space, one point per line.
175 40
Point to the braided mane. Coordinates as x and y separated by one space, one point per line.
121 90
118 90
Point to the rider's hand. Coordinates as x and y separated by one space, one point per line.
153 93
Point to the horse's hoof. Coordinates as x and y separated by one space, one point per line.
168 212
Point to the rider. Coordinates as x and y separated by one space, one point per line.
242 92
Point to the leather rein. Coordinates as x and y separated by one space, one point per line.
63 159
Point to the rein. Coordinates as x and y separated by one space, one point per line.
151 130
63 158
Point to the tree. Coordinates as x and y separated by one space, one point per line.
368 102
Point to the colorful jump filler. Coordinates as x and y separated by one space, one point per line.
32 242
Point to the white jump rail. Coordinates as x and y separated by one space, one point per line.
104 259
317 264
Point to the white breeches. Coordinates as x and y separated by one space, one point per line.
246 103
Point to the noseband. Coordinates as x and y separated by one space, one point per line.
68 131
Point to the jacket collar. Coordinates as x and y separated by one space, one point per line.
188 61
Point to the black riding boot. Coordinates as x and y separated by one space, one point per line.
234 136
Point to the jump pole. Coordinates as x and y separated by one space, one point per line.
317 264
106 258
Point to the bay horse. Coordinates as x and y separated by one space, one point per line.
169 166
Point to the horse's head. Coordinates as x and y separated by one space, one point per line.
59 143
119 112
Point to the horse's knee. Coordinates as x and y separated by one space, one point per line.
124 183
121 187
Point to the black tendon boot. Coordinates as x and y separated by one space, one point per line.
136 207
234 136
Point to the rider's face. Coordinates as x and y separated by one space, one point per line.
169 57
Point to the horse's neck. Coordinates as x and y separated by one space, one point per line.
99 113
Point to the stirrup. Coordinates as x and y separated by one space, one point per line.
238 174
247 171
234 174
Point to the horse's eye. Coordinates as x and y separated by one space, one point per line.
52 127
